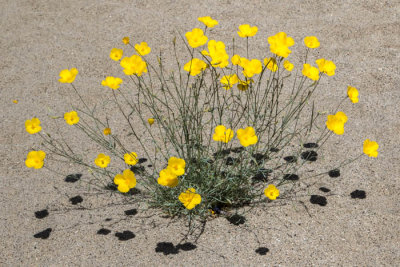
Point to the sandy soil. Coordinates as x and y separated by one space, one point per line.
39 38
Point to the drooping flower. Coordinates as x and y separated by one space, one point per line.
196 38
176 166
195 66
271 64
217 52
116 54
326 66
125 181
102 160
335 123
133 65
370 148
150 121
280 43
190 199
222 134
229 80
142 48
112 82
247 136
167 178
68 76
271 192
352 92
131 158
208 21
125 40
244 85
287 65
35 159
311 42
71 117
246 30
250 67
33 126
310 72
107 131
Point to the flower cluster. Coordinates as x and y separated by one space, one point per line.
33 126
169 176
125 181
222 134
280 43
336 122
217 52
133 65
190 199
35 159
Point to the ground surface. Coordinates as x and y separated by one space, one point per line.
39 38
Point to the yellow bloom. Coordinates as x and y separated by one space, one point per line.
250 67
150 121
336 122
370 148
196 38
35 159
246 30
229 80
195 66
287 65
68 76
208 21
217 52
131 158
15 101
279 44
247 136
244 85
235 60
125 181
125 40
190 199
311 42
33 126
167 178
102 160
116 54
222 134
112 82
352 92
71 117
133 65
326 66
107 131
271 64
310 72
176 166
271 192
142 48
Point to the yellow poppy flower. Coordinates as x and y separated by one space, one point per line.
125 181
71 117
190 199
271 192
68 76
33 126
